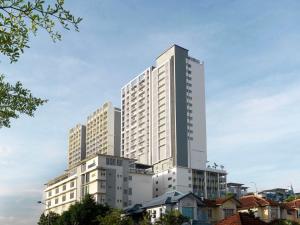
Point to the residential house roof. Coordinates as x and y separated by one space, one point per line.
219 201
171 197
251 201
293 204
241 219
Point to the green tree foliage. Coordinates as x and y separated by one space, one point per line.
14 100
83 213
114 217
173 217
229 195
146 219
18 20
292 198
51 218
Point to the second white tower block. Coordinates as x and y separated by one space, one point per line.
163 113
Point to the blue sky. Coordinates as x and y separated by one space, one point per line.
252 63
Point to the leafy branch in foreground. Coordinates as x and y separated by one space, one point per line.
18 20
16 100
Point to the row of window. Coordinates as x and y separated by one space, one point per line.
63 188
63 199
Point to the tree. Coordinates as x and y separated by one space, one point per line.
115 217
18 20
84 212
50 219
146 219
173 217
292 198
15 99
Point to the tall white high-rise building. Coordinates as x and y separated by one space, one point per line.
76 147
103 131
163 113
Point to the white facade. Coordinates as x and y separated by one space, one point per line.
163 113
139 188
209 183
103 131
177 178
76 145
61 193
112 180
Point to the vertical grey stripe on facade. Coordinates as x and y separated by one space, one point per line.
181 108
117 132
111 187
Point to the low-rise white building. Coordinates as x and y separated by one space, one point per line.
116 181
208 183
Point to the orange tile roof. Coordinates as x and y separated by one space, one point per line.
252 201
241 219
293 204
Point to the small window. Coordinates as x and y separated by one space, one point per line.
49 203
56 191
72 184
71 195
64 198
129 191
56 201
64 187
49 193
170 185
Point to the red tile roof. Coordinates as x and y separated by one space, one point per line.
293 204
241 219
252 201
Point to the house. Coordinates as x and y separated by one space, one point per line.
241 219
265 209
221 208
188 204
293 210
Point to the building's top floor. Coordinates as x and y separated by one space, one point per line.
92 162
141 76
135 81
103 109
78 127
231 184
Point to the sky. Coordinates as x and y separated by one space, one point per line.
251 53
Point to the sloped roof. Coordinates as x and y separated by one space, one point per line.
241 219
135 209
252 201
293 204
171 197
219 201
